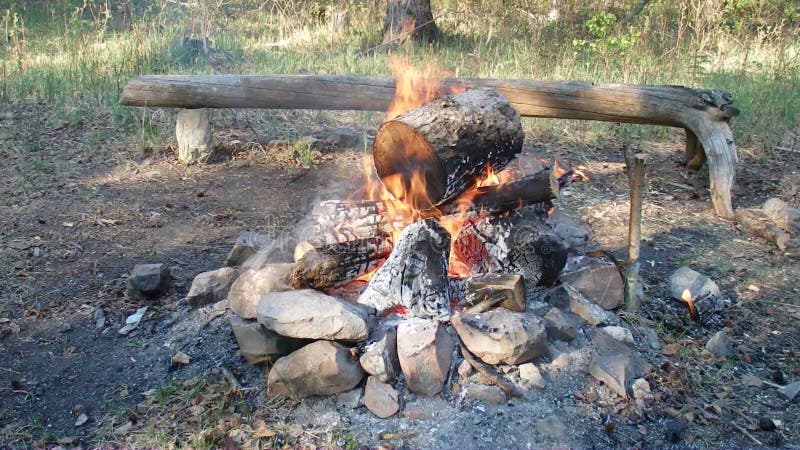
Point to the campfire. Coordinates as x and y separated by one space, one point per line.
442 247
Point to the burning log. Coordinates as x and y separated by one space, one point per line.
541 187
332 264
431 154
507 245
415 273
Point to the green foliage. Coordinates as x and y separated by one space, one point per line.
606 36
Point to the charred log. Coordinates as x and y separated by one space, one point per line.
442 147
414 275
332 264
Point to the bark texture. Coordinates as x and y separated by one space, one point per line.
409 19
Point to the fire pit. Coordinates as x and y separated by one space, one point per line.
447 252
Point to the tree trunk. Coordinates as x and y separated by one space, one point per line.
705 113
430 155
409 19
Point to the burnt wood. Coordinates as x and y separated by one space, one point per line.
333 264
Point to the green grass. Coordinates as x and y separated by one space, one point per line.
79 59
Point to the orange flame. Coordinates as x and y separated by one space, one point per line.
414 87
686 296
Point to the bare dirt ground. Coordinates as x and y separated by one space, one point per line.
81 207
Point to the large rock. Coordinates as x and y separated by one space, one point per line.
381 398
193 131
310 314
211 287
696 283
598 280
502 337
380 355
560 326
247 245
587 309
320 368
149 281
247 290
258 344
425 350
616 364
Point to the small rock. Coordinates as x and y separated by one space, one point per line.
674 431
500 336
319 368
99 318
82 419
247 290
247 244
133 321
587 309
258 344
486 394
465 369
531 375
641 391
180 359
696 283
194 136
559 326
381 398
618 371
719 344
598 280
211 287
621 334
310 314
766 424
425 350
351 399
553 428
380 355
149 281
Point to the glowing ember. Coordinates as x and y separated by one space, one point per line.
686 296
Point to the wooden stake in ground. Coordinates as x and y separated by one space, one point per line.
635 162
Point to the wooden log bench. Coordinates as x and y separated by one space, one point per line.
703 114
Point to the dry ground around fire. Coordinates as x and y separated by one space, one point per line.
75 225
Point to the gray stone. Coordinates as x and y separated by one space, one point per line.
557 296
380 355
531 375
381 398
310 314
193 131
650 336
247 290
486 394
149 281
598 280
258 344
696 283
502 337
719 344
618 371
211 287
588 310
319 368
247 245
425 350
559 326
351 399
621 334
606 345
